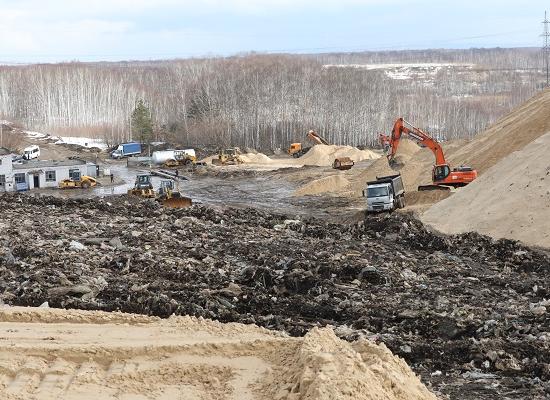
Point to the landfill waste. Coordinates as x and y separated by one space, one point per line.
468 306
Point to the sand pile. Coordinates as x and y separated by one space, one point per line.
48 354
328 184
406 157
255 158
512 199
511 133
325 367
323 156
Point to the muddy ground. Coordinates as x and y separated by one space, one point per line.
467 313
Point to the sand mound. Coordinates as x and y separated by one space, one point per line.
511 133
512 199
255 158
325 367
66 354
410 167
323 156
333 183
426 197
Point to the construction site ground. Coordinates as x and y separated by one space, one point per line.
285 244
468 314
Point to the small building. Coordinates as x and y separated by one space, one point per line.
34 174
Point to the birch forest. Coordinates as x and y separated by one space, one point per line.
268 101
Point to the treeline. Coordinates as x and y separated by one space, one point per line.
268 101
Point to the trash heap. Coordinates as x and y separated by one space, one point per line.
468 313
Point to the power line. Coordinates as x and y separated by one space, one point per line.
546 47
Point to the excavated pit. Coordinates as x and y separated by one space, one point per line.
468 313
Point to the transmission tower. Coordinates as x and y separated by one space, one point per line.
546 47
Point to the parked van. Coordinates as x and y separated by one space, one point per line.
31 152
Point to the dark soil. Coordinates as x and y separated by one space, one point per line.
468 313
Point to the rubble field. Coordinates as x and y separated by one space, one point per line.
468 313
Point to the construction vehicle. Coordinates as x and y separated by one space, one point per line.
142 187
84 182
386 193
168 197
443 177
343 163
297 150
228 157
174 158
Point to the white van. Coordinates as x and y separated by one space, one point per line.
31 152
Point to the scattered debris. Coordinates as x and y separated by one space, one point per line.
454 304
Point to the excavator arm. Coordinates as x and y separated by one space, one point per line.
403 127
442 175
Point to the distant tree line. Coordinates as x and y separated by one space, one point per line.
269 101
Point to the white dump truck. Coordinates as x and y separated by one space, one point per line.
386 193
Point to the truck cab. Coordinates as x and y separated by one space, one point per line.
385 194
379 197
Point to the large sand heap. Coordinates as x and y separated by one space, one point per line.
512 199
511 133
323 155
328 184
68 354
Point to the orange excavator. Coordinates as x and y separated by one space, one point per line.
442 175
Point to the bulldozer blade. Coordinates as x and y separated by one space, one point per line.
177 202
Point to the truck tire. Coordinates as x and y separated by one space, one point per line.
401 202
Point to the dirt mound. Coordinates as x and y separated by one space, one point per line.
511 133
333 183
49 354
512 199
323 156
426 197
324 367
255 158
408 167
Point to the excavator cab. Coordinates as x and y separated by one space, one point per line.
440 172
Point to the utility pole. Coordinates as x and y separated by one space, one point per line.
546 47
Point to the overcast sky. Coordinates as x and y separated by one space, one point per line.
91 30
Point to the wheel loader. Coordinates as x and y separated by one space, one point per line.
84 182
168 197
143 187
227 157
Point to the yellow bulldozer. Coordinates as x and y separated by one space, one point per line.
84 182
171 198
166 195
143 187
228 157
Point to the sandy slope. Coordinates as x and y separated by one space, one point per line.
512 199
59 354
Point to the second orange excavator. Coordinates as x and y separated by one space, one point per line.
442 174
